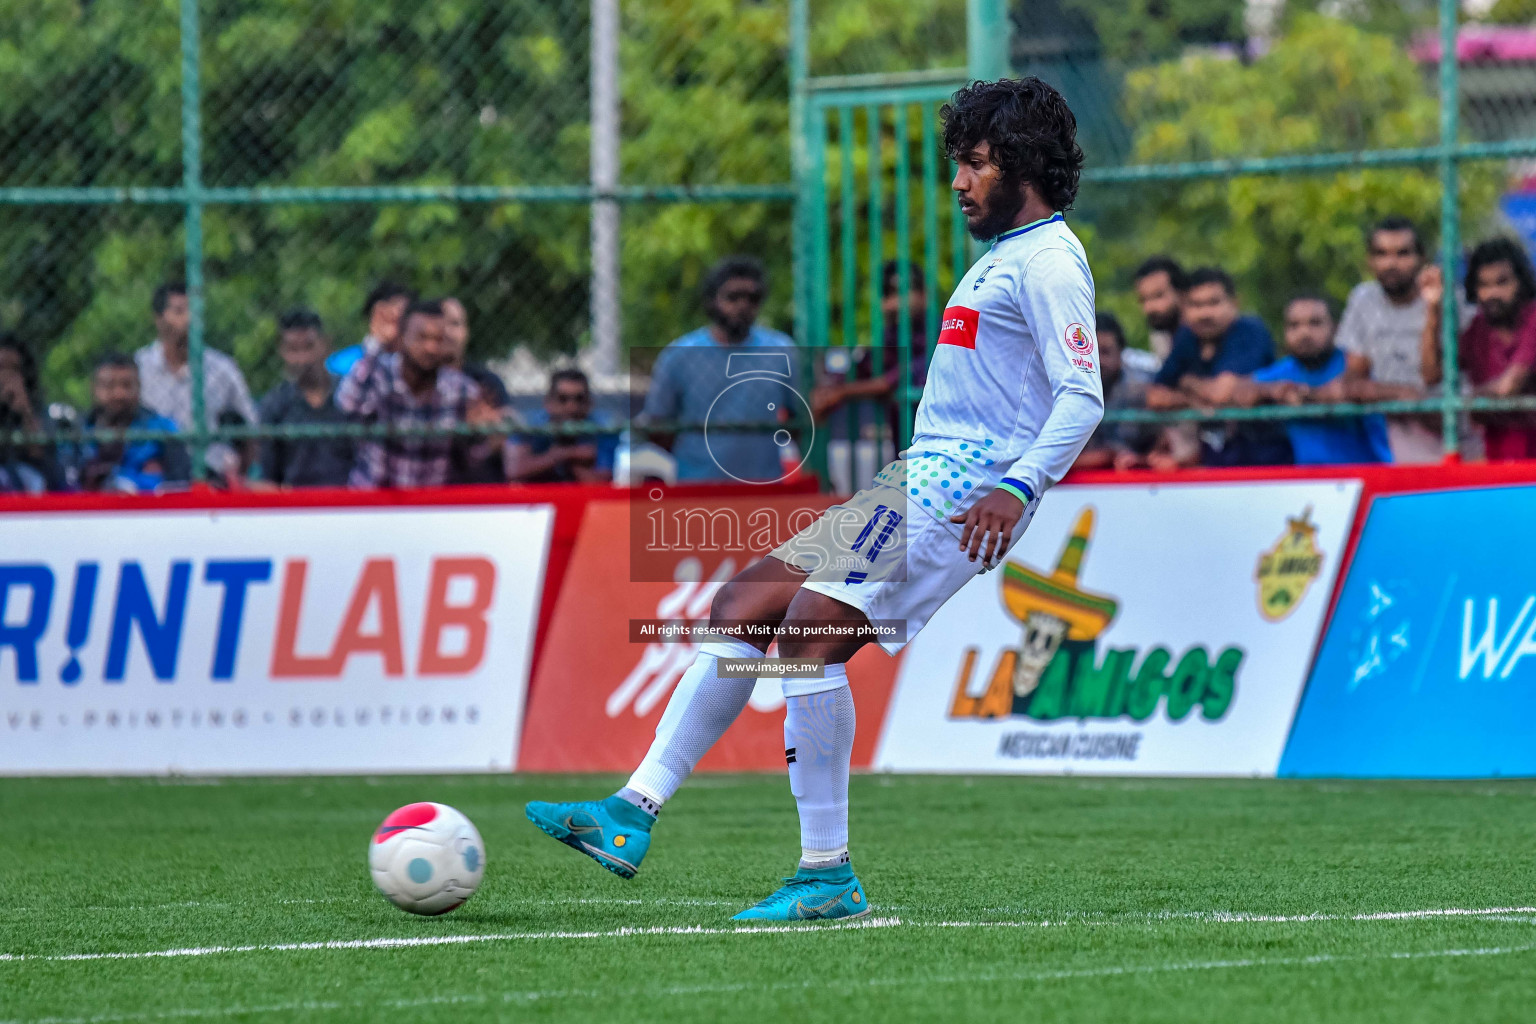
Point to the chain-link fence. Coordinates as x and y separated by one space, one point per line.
292 153
1264 139
282 153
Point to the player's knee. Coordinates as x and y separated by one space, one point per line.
736 606
829 629
728 604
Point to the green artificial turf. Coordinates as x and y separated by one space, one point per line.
995 899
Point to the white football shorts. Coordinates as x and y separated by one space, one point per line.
887 556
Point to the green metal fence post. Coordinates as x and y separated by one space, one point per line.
904 276
875 173
819 234
906 393
804 183
986 38
192 185
849 206
1450 220
986 57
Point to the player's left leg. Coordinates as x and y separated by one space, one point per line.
818 746
899 566
616 832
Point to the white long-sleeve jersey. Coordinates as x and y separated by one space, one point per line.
1013 390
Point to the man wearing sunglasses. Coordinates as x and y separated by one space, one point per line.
695 380
547 459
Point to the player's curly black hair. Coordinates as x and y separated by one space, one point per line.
1031 129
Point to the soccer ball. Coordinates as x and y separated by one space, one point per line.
426 858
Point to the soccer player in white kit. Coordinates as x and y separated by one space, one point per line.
1012 395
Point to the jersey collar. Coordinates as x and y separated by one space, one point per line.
1015 232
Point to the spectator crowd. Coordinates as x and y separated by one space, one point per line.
408 373
1205 353
452 420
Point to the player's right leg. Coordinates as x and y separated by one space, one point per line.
616 832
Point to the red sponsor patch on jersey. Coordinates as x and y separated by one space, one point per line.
959 327
406 818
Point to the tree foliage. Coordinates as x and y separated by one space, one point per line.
385 92
1327 86
1136 31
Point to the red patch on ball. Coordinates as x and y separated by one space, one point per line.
408 817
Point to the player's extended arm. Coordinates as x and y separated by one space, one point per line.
1056 298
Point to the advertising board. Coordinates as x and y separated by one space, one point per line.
1428 668
1132 630
601 687
367 639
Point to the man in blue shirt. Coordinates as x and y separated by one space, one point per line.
1213 350
544 459
1311 365
730 374
131 466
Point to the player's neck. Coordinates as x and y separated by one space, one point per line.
1034 209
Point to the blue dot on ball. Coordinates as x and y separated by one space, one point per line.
420 870
962 447
472 858
927 502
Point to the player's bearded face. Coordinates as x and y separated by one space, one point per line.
992 202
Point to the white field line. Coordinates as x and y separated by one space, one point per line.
55 910
529 996
1520 914
454 940
1236 917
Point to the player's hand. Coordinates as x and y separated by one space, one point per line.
988 525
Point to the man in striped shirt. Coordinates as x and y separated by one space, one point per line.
414 386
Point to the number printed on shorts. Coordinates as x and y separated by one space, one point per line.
886 530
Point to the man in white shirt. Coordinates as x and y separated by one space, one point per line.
165 376
1013 393
1379 332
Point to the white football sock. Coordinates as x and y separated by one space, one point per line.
700 710
818 745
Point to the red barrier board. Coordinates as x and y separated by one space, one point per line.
597 696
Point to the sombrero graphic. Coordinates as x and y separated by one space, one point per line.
1052 608
1027 592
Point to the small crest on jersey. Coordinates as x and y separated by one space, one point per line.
1081 343
983 275
1078 339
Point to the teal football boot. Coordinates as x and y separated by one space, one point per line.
613 832
813 894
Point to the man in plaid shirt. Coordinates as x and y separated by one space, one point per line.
412 386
